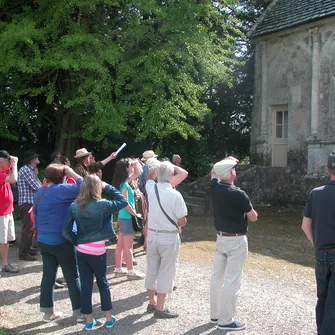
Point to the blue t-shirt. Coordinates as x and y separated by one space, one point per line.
124 214
51 212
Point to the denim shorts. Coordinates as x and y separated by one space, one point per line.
126 226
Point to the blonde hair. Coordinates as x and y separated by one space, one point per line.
91 188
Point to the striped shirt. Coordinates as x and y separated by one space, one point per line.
28 184
93 248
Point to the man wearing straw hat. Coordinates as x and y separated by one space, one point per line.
86 163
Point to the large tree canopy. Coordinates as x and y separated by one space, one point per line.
92 69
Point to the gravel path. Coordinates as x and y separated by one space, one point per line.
273 300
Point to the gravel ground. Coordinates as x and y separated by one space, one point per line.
277 297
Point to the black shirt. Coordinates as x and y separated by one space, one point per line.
229 205
320 208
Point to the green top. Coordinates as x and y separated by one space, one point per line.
124 214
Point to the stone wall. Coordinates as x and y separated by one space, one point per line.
277 186
266 186
296 68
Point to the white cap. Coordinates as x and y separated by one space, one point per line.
224 166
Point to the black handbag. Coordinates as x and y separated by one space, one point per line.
138 224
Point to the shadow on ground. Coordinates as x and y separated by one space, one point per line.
276 234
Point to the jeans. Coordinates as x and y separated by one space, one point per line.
90 265
231 254
325 281
53 256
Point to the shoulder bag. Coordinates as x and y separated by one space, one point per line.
167 216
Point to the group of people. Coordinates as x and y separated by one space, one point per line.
73 222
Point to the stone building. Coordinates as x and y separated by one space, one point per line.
293 122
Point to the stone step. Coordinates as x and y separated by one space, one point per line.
198 193
194 200
196 209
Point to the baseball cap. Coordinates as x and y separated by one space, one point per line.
224 166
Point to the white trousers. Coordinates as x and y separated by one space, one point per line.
162 258
231 254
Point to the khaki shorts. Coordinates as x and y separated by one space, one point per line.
7 229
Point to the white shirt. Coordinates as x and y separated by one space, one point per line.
172 202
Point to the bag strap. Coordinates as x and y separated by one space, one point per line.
159 201
39 199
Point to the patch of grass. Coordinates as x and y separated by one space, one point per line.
277 236
4 331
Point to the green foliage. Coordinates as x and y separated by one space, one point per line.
140 66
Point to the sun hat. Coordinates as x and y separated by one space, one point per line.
148 154
82 153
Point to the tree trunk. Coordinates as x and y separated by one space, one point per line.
65 142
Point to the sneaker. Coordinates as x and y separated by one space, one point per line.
9 268
52 317
58 286
151 308
166 314
236 325
120 273
81 318
110 323
135 275
214 321
124 265
32 252
27 258
89 326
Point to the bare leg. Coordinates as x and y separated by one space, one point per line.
127 251
160 301
119 251
151 295
4 253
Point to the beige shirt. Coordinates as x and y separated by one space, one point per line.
172 202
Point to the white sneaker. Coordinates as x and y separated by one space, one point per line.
120 272
135 275
52 317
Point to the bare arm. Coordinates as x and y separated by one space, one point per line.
138 170
12 176
70 173
129 209
182 221
307 228
180 175
113 155
252 215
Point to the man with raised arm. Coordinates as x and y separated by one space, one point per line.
231 210
86 163
8 175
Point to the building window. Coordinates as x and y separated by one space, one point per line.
281 124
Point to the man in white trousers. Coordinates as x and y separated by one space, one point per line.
231 210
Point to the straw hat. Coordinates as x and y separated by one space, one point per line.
82 152
148 154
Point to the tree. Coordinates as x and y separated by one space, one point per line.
74 70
